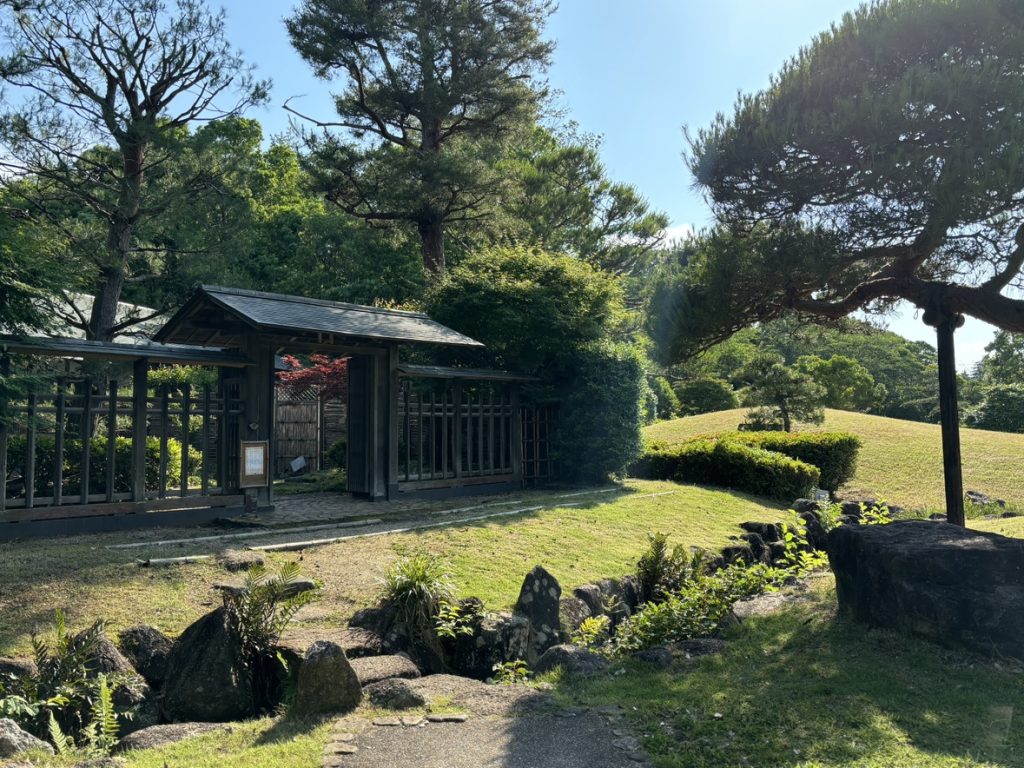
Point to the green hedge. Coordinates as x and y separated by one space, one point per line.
731 464
46 449
833 453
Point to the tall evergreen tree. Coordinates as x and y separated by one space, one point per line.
432 89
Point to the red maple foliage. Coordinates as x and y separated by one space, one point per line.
326 375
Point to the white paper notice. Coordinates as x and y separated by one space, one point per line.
253 461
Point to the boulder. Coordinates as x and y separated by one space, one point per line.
14 741
626 589
395 693
539 604
327 682
659 656
571 659
769 532
817 536
293 588
373 669
496 639
759 550
777 552
983 499
162 735
738 553
852 508
240 560
147 650
591 595
105 658
572 613
18 668
805 505
206 679
946 583
355 641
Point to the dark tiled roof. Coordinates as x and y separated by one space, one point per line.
121 350
275 311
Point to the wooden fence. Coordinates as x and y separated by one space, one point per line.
77 448
306 425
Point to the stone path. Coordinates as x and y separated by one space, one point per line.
484 726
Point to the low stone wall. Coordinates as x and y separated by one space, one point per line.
949 584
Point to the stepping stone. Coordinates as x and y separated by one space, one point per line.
388 721
454 717
340 749
412 722
373 669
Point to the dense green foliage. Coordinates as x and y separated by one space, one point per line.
730 464
45 457
1001 408
847 384
780 394
833 453
668 406
705 395
556 317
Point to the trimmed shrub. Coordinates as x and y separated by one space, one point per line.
833 453
730 464
706 396
668 403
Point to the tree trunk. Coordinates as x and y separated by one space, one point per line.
432 246
787 422
120 241
950 418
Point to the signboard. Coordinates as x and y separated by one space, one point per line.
255 466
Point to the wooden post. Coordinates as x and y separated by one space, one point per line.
165 418
517 435
457 427
5 372
111 439
30 452
60 408
186 402
950 418
86 436
140 414
204 483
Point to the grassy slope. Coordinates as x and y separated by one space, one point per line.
901 461
803 689
488 559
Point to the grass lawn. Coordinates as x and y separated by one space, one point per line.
488 559
900 461
804 689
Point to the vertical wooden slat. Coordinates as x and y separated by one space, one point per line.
490 432
60 408
419 434
204 485
502 432
469 432
222 434
140 415
111 438
444 432
480 434
408 430
5 371
433 434
517 435
86 440
186 402
30 451
165 397
457 426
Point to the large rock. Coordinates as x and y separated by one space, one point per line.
14 741
162 735
147 649
105 657
17 668
327 683
769 532
130 691
496 639
939 581
394 693
206 678
355 641
817 535
539 602
571 659
373 669
591 595
573 613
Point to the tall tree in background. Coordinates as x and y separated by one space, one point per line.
129 76
433 87
889 154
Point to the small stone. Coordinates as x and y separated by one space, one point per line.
388 722
340 748
412 721
447 717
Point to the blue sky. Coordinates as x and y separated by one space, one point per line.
633 71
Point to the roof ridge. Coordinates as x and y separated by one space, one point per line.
306 300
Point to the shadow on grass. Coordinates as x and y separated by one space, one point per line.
287 728
804 687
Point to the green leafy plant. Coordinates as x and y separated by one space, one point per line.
877 514
417 587
511 672
453 621
593 632
800 558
